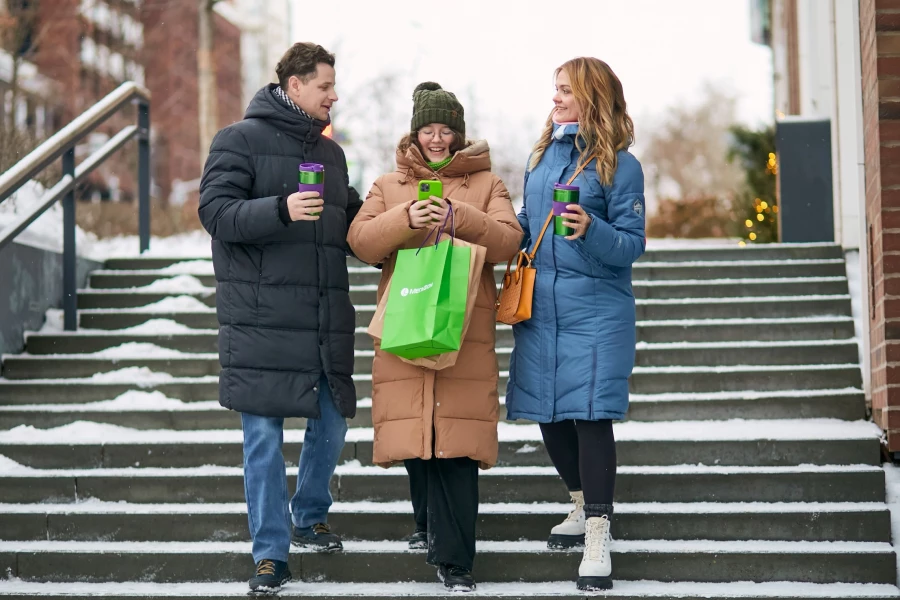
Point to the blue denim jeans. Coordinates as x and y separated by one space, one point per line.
265 481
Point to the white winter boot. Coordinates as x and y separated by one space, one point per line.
570 533
596 565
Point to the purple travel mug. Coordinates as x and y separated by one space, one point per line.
312 179
563 195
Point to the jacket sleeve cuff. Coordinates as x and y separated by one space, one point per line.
283 212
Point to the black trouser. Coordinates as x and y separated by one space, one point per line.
584 454
445 503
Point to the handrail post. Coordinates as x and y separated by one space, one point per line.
70 284
144 175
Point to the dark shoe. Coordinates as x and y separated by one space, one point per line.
270 576
457 579
418 540
318 537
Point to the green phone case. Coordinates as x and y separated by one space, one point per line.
429 188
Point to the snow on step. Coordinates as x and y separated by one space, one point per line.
88 432
755 344
734 299
99 507
621 546
179 284
740 395
139 376
9 467
623 589
128 350
744 321
171 304
147 328
132 400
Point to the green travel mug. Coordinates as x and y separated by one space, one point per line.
563 195
312 179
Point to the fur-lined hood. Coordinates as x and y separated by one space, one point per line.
475 157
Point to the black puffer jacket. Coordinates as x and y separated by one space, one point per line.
283 298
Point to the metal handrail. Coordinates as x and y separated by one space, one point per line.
62 144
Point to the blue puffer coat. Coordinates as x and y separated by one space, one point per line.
572 359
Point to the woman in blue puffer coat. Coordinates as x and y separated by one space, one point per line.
571 362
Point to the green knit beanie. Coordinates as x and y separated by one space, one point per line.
433 104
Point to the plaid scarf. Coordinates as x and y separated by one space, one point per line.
282 95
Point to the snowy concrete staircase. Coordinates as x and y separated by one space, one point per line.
746 456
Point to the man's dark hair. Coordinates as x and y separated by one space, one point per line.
301 61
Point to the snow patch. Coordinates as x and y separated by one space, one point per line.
47 231
180 284
86 432
193 244
623 589
138 375
159 326
133 350
190 267
172 304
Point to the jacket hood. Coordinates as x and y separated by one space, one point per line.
265 105
475 157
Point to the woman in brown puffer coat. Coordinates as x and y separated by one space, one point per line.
442 424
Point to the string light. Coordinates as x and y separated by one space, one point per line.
742 243
752 236
748 223
760 217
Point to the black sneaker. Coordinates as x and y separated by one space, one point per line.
457 579
270 576
318 537
418 540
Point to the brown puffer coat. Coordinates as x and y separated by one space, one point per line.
419 412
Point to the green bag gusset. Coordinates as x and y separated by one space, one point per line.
426 305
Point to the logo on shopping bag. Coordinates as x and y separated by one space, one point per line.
406 291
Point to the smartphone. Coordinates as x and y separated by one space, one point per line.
429 188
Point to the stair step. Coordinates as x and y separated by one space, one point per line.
183 364
111 521
644 380
623 590
353 483
130 291
654 310
170 335
708 561
727 443
152 410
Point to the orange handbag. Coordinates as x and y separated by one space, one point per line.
517 288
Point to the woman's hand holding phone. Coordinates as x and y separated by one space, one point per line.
438 208
420 215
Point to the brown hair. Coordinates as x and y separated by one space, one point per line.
412 138
302 60
604 127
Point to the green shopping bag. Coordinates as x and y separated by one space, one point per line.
426 305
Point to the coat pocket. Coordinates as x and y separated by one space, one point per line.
598 269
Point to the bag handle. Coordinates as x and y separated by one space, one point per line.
537 244
440 229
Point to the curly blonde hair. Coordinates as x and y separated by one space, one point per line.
604 127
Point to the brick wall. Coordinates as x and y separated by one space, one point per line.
170 37
880 58
169 58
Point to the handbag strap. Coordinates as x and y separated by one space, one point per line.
537 244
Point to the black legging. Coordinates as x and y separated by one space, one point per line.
584 454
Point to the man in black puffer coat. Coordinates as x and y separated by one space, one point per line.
286 323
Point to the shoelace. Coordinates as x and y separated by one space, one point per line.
597 537
265 567
573 516
320 528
